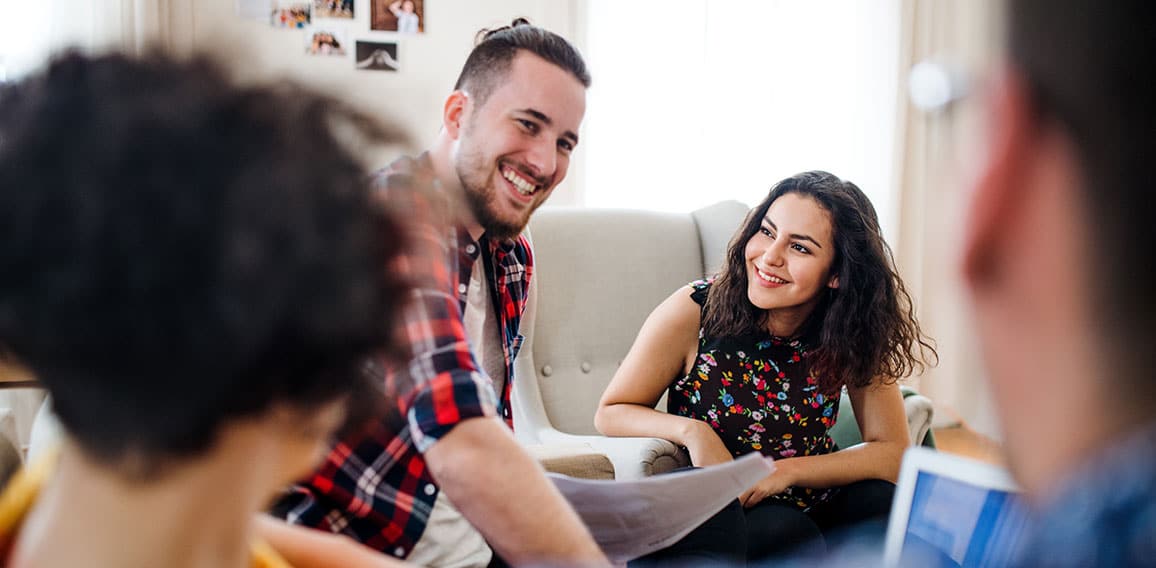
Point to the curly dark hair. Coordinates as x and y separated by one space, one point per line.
494 52
180 251
864 330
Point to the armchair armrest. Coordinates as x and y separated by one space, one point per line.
574 460
919 414
633 458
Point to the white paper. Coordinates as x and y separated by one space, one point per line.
629 519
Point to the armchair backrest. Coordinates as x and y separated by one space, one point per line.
598 275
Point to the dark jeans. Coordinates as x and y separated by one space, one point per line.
734 536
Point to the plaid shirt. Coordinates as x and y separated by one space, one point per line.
374 486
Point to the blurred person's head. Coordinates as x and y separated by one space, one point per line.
810 260
1062 229
512 122
185 258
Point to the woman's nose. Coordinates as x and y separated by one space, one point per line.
773 255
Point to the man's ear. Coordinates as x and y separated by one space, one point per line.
998 188
453 113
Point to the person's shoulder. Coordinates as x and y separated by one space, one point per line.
409 189
406 173
1103 512
681 308
699 290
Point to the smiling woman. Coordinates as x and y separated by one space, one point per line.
808 302
789 262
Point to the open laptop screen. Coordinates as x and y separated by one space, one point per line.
951 511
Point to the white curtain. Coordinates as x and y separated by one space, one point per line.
30 31
932 153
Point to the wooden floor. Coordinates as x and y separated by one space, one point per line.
966 442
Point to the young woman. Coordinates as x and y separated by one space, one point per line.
808 302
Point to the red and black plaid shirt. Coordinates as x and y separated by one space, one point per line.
374 486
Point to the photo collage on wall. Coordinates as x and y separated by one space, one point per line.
327 26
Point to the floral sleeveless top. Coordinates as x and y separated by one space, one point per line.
758 394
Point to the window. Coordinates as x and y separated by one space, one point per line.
695 102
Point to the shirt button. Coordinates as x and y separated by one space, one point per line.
399 552
430 489
470 248
462 288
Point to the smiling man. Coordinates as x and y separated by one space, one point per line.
508 130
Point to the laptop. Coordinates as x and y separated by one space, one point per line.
953 511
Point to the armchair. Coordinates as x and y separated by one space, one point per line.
598 275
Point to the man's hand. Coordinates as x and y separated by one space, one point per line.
504 494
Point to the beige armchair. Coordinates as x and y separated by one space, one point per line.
599 273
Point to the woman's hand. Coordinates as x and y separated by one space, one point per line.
704 445
773 484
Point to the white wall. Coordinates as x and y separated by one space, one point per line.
430 61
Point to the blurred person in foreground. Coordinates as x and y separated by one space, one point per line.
196 272
1057 260
439 479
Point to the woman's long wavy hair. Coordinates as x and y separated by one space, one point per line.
864 330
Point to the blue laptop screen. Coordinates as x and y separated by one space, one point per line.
955 523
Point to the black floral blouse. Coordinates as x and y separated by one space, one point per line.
758 394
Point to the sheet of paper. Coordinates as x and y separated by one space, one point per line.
629 519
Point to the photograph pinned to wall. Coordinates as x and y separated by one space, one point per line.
326 40
291 15
255 9
333 9
377 56
402 16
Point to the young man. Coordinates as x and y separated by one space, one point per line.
508 130
1058 262
194 270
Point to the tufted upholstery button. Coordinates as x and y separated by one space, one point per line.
547 370
585 366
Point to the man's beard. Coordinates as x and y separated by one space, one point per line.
480 200
481 196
